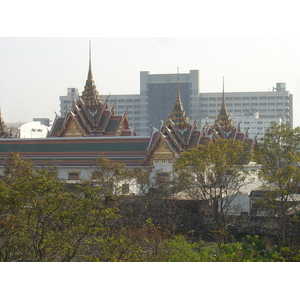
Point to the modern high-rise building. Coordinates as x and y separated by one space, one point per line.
158 91
66 102
271 105
254 110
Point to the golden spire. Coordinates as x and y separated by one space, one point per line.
90 94
178 116
223 118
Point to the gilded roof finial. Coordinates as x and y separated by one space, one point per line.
178 116
90 94
90 75
223 118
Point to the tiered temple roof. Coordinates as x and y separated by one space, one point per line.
90 117
177 134
91 128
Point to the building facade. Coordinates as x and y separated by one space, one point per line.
91 128
255 110
158 91
67 101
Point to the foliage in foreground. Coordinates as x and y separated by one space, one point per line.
41 220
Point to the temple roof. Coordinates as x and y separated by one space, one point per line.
179 135
90 117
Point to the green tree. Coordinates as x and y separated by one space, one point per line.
214 173
40 220
279 157
114 178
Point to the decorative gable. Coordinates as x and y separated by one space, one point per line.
72 130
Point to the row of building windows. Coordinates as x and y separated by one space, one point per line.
245 104
245 98
163 161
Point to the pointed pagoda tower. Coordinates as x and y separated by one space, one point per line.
90 95
223 121
90 117
178 116
174 136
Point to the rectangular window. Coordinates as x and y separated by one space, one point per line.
73 175
163 179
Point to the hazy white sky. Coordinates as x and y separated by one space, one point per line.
253 45
34 72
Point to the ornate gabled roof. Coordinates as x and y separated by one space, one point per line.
90 117
180 138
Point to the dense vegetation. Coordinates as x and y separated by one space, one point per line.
43 219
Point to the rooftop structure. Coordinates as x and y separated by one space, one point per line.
91 128
89 116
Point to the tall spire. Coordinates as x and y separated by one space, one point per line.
178 116
223 118
90 75
90 94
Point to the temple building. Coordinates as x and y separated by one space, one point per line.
91 128
177 135
89 117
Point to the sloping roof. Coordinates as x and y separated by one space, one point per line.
90 117
77 151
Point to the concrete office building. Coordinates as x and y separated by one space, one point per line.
255 125
131 105
66 102
156 99
276 105
157 93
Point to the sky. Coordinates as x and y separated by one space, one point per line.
35 71
252 46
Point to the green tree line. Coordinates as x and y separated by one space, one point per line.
43 219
